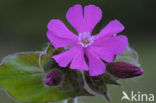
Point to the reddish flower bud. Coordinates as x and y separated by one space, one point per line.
124 70
54 77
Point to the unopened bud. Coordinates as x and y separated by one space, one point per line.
54 77
124 70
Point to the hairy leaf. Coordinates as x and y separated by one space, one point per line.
23 78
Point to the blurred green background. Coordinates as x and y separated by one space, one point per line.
23 26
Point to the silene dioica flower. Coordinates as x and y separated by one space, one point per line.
88 51
38 77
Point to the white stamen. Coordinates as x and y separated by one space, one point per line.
85 39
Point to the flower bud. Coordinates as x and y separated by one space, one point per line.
54 77
124 70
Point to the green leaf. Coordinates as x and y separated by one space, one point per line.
22 77
130 56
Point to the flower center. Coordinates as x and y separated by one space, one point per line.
85 42
85 39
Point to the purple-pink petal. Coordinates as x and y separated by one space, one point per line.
96 66
78 61
117 44
63 59
92 15
121 44
84 23
59 35
102 52
75 17
111 29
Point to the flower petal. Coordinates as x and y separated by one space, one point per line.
78 61
63 59
111 29
59 35
92 15
121 44
103 52
75 17
117 44
96 66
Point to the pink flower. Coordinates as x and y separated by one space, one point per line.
102 46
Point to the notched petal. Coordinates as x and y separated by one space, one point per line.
59 35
